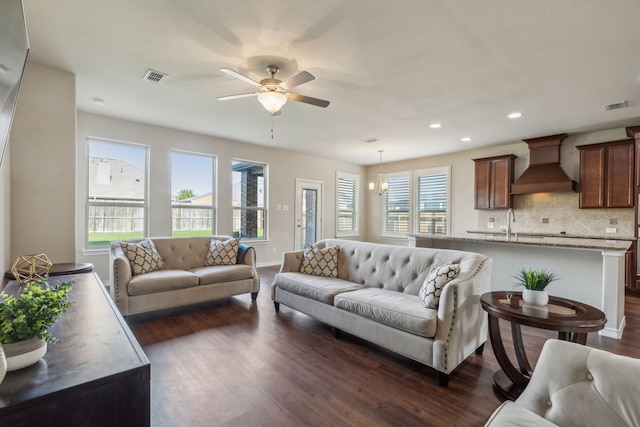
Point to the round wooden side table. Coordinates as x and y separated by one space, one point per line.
572 319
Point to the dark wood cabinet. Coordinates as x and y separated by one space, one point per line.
96 374
493 178
607 175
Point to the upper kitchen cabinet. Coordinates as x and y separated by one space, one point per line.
607 175
493 178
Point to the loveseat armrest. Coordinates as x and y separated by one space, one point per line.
120 276
291 261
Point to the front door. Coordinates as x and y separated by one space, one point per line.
308 227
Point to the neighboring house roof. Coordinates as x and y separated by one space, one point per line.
115 179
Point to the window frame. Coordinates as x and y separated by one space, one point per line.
214 193
89 203
385 199
265 201
416 209
355 212
413 177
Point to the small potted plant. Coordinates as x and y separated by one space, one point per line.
535 282
25 319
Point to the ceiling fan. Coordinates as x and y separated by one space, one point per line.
273 93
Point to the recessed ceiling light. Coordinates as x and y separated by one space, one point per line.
466 139
515 115
98 101
435 125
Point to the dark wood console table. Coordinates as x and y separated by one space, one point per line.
572 320
96 374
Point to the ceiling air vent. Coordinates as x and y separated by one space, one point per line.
615 106
155 77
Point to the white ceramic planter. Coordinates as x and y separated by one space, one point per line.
535 297
24 353
3 364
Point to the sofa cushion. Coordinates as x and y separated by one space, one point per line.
222 253
143 256
396 309
436 279
223 273
160 281
320 262
510 414
323 289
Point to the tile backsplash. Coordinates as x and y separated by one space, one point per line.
559 212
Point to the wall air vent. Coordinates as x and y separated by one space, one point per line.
155 77
615 106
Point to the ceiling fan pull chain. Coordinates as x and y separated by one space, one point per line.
271 127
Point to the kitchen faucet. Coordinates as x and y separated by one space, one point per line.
511 217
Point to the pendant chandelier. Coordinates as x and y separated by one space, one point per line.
380 185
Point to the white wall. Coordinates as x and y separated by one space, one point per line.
42 158
284 168
463 215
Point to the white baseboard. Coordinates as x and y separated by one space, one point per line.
614 333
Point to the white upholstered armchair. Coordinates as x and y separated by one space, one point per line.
575 385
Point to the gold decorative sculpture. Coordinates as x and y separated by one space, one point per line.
30 268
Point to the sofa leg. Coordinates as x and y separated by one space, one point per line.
480 349
254 296
443 379
277 306
337 333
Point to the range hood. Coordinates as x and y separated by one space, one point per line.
544 174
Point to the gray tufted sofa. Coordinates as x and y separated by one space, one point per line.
375 297
184 280
576 386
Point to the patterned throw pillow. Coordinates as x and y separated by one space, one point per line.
143 256
222 253
436 279
320 262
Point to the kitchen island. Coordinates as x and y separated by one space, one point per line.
590 270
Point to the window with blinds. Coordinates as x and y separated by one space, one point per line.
347 191
396 205
431 195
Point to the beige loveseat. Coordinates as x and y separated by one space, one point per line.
375 297
184 279
576 386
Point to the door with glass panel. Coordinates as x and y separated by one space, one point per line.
308 227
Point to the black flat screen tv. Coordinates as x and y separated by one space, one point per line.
14 48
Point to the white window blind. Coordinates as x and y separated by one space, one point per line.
431 202
347 191
396 205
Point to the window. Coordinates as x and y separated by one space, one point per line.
432 201
397 205
249 199
347 191
192 198
117 192
416 202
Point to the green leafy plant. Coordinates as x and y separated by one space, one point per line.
534 279
33 311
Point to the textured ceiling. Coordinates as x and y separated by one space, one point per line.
390 69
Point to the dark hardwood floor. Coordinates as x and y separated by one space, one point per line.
237 363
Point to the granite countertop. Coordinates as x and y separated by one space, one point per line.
537 239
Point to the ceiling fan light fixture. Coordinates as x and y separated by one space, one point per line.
272 101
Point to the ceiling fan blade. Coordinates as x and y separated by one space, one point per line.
242 95
297 80
242 77
308 100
